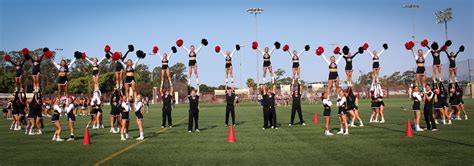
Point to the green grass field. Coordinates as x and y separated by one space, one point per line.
374 144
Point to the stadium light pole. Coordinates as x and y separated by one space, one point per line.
443 17
414 7
255 11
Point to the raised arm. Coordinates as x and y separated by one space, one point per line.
223 54
102 59
301 52
260 50
233 52
71 63
123 64
291 55
427 53
370 53
198 49
136 62
125 56
380 53
271 51
185 49
339 59
158 53
56 65
325 60
90 61
413 53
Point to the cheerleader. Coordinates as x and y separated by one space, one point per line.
167 98
428 108
82 106
95 71
327 113
35 70
342 104
333 76
129 77
164 63
295 57
269 100
348 57
138 106
19 104
126 108
58 109
267 64
19 71
47 107
454 101
34 114
118 66
228 62
452 63
444 98
230 108
438 104
192 53
95 111
420 66
296 105
417 98
63 68
375 62
376 96
71 118
435 53
461 101
114 111
352 102
193 97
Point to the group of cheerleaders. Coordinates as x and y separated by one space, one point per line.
125 98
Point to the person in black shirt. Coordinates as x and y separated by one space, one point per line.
296 106
269 104
229 109
167 97
193 97
428 109
115 110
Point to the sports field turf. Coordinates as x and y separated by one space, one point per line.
374 144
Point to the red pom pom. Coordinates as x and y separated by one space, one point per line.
179 42
337 50
107 48
286 47
155 49
7 58
444 48
409 45
424 43
319 51
48 54
217 49
365 46
25 51
255 45
116 56
84 55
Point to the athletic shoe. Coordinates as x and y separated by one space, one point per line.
436 121
276 127
465 117
263 128
140 138
59 139
382 121
450 122
197 130
53 139
189 131
361 124
434 130
290 125
162 127
123 139
346 133
328 133
39 132
115 131
170 126
304 124
101 126
340 132
70 139
419 129
273 127
111 130
458 118
31 133
352 125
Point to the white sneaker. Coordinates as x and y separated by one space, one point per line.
382 121
290 125
115 131
419 129
346 133
53 139
340 132
189 131
123 139
361 124
111 130
197 130
458 118
127 136
162 127
31 133
276 128
70 139
170 126
352 125
328 133
465 117
39 132
263 128
101 126
434 130
450 122
304 124
436 121
140 138
273 127
59 139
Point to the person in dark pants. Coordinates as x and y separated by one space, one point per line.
428 109
269 100
167 97
193 97
229 109
265 107
296 106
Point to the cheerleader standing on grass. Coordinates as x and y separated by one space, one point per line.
71 118
342 104
126 108
19 103
352 102
114 111
165 63
58 109
295 57
417 98
35 109
327 113
138 106
167 98
192 53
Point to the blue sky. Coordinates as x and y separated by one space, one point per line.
88 25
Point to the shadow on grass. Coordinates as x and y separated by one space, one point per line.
424 136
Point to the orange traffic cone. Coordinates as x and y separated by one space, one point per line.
409 131
315 118
231 137
87 139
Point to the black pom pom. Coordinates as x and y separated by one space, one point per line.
174 49
131 48
277 45
434 46
107 55
28 57
345 50
237 47
461 49
140 54
204 42
46 49
361 50
448 43
77 55
385 46
306 47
